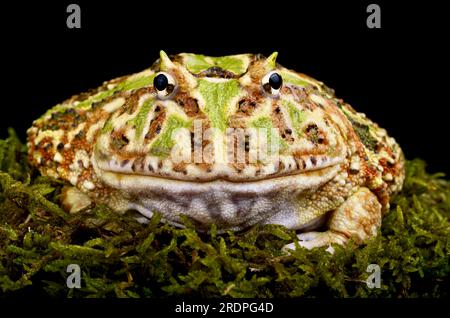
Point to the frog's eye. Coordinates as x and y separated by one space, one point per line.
164 84
272 83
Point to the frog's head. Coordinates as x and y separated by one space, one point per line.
239 118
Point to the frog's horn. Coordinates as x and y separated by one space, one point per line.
165 62
271 61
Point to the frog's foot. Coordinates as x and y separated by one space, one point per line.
144 215
311 240
358 218
73 200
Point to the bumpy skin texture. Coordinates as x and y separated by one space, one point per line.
114 143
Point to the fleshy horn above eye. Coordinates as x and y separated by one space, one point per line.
165 64
272 83
164 84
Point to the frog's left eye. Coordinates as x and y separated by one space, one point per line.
272 83
164 84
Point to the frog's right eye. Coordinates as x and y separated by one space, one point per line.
164 84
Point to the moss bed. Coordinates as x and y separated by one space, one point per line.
121 258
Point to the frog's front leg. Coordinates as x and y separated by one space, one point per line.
359 218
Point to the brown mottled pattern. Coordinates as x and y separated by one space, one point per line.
384 163
156 123
189 104
246 106
286 132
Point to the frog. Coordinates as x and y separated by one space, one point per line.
155 142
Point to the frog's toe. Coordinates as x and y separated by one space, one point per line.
144 215
73 200
310 240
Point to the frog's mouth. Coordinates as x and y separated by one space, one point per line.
229 203
153 173
156 168
155 183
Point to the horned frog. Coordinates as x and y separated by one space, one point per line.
334 168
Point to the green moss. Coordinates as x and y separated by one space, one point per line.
120 257
217 97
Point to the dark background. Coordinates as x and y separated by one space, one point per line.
394 74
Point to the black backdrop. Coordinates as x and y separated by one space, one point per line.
391 74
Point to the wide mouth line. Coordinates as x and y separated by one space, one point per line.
167 169
224 179
144 185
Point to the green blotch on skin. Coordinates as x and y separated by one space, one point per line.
197 63
230 63
136 83
293 79
266 122
87 103
297 117
141 117
55 109
162 146
362 131
217 96
108 127
126 85
94 99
